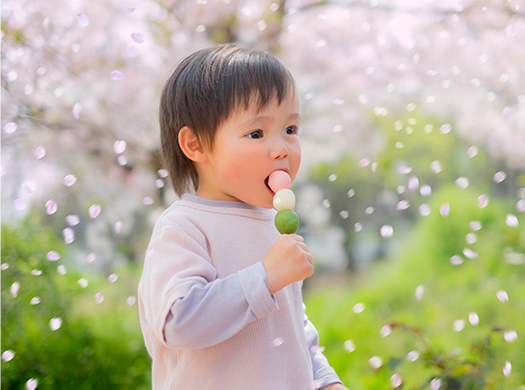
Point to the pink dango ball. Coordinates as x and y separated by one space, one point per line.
279 180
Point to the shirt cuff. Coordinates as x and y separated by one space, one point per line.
253 283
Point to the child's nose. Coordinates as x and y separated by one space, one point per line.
280 150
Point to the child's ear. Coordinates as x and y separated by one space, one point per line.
190 145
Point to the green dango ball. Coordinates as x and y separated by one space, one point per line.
287 221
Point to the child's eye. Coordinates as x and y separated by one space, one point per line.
291 130
255 134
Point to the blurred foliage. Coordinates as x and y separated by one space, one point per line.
415 147
472 358
97 346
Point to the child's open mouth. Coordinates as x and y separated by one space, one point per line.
267 185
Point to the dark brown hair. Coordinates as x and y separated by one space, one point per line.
204 90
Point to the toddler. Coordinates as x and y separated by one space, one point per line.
220 299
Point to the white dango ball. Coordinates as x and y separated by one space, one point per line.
284 200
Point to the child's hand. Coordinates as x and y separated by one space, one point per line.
287 261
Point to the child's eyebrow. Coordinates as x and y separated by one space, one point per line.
262 118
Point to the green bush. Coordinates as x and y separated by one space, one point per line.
97 346
472 358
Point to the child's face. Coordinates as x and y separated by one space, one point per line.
249 146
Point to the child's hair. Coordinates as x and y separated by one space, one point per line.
204 90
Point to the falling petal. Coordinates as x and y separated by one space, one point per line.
147 201
52 256
82 282
458 325
425 190
40 152
445 129
94 211
456 260
344 214
119 146
8 355
131 300
473 318
29 187
55 323
36 272
472 151
82 20
462 182
72 220
424 210
499 176
51 207
510 336
506 113
502 295
436 167
61 269
404 170
358 227
364 162
91 257
470 254
112 278
387 231
512 220
137 37
10 127
349 346
122 160
385 330
277 342
375 362
471 238
403 205
34 301
413 183
507 368
99 297
14 289
419 292
396 380
358 308
350 193
444 210
69 180
76 110
20 203
483 201
475 225
69 235
4 266
412 356
435 384
133 51
511 30
117 75
31 384
118 227
520 206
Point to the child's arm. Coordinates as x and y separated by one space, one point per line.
325 376
183 301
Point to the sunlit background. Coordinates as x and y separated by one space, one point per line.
411 192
